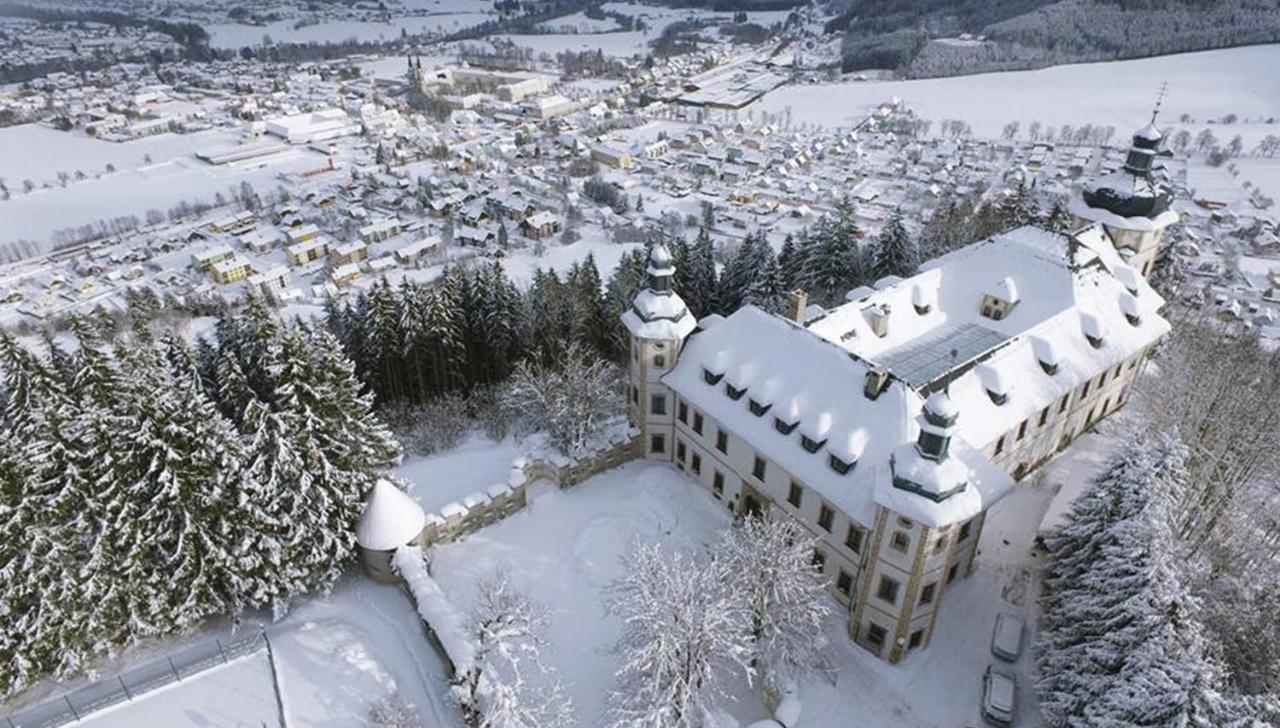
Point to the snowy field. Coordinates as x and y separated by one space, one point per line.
236 35
568 546
1206 85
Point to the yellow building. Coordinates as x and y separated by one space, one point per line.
230 271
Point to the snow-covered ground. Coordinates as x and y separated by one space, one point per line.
473 466
235 695
569 544
1206 85
336 655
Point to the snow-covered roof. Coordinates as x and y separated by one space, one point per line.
390 518
1073 286
817 384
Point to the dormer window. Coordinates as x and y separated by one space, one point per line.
1049 368
810 444
1129 306
998 398
840 466
785 428
1093 329
710 377
758 408
734 393
1133 319
921 300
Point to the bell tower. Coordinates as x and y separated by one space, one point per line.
1132 203
658 322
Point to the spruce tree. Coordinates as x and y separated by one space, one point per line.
896 253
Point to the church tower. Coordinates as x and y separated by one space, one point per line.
658 322
1132 203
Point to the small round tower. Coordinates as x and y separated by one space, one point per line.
390 519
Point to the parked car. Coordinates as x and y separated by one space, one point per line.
1006 638
999 691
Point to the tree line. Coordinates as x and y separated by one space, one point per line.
146 486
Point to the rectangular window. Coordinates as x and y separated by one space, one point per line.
1044 416
717 484
659 361
916 638
1102 380
757 468
999 446
683 412
1119 367
658 404
900 542
825 517
951 573
876 635
696 464
964 530
680 450
657 443
635 394
819 560
697 422
1062 406
1084 392
795 494
1022 430
926 594
888 590
722 441
853 539
844 583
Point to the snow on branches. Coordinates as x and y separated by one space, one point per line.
508 685
683 630
570 399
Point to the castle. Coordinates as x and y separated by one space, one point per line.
890 424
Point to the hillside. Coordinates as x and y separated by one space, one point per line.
938 38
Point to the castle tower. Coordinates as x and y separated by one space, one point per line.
1132 203
919 546
658 322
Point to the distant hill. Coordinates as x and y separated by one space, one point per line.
924 38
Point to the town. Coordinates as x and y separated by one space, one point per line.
599 320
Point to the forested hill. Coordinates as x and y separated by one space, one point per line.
920 38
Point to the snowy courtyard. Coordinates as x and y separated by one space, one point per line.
569 545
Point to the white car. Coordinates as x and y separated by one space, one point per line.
1006 638
999 693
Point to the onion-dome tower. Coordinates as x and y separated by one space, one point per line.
658 322
1132 203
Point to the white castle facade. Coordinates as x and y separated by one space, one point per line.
890 424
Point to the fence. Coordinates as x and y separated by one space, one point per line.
130 684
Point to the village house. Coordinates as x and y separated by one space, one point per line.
352 252
271 283
540 225
231 270
307 251
204 260
411 254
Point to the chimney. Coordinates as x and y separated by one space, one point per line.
797 301
878 319
877 381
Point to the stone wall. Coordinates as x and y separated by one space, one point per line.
498 501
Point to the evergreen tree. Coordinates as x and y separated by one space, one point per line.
1057 218
895 252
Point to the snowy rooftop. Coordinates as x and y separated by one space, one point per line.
1073 287
390 519
818 385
